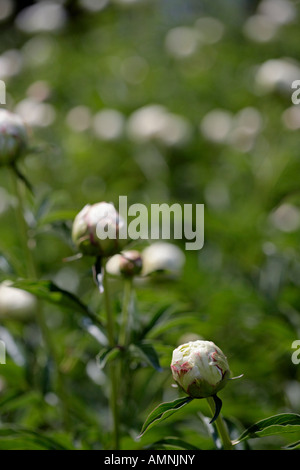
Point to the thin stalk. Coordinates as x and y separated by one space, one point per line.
23 227
221 427
124 333
110 324
113 369
124 342
31 272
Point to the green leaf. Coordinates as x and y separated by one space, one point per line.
107 355
50 292
171 443
172 323
57 216
218 407
18 399
161 312
277 424
163 411
294 445
23 438
145 351
22 178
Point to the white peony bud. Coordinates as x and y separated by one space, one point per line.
200 368
13 137
163 257
96 230
16 304
125 264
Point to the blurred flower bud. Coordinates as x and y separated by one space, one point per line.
200 368
13 137
96 230
16 304
163 257
127 264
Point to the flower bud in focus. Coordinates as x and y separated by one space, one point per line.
96 228
16 304
127 264
13 137
200 368
163 257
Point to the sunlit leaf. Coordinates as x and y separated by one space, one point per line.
164 411
294 445
278 424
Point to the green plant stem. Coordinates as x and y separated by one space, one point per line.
113 370
23 227
221 427
124 333
31 272
110 324
124 341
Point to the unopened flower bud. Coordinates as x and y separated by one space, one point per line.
126 264
200 368
13 137
96 230
163 257
15 303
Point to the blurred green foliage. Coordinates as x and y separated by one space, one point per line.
242 289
